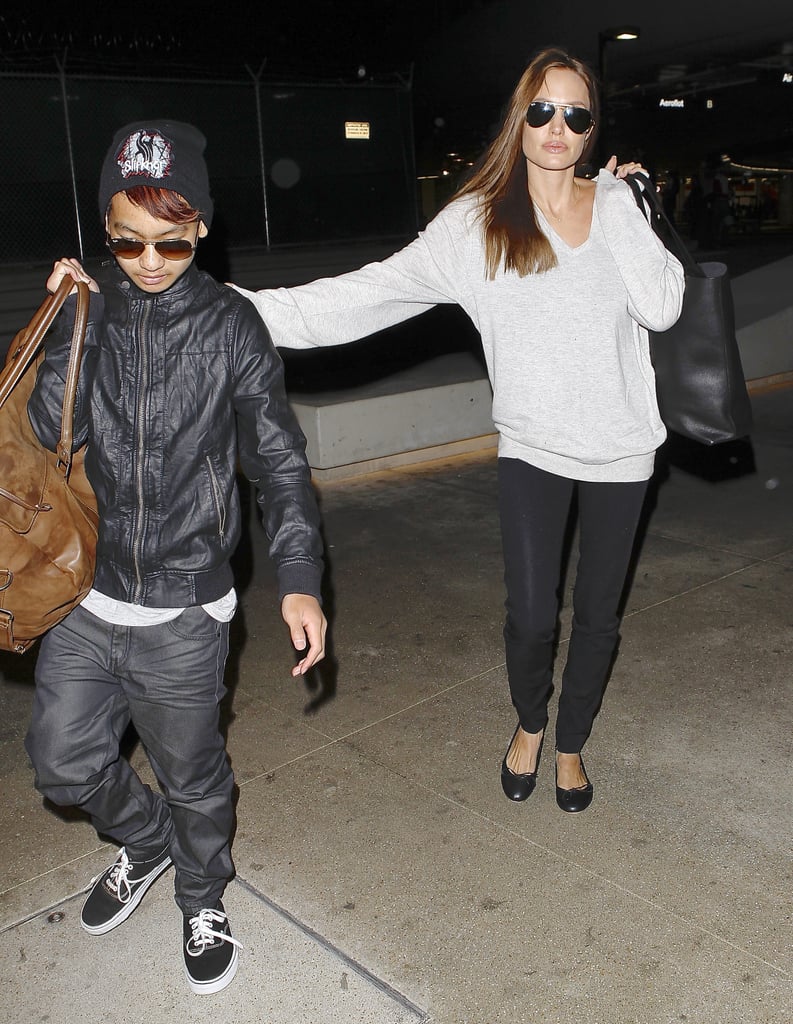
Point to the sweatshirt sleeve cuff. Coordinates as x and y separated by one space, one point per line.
299 578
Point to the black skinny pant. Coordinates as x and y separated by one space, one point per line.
534 508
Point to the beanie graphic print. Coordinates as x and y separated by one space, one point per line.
159 154
146 153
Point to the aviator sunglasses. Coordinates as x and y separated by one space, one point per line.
577 119
169 248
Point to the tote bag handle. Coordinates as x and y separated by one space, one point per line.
25 347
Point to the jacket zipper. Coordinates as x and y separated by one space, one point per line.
217 498
137 543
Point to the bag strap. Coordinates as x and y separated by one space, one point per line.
649 202
30 339
64 449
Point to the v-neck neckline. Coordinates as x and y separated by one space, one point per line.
565 244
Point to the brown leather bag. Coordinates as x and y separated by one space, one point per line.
48 518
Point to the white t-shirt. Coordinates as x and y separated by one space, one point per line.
121 613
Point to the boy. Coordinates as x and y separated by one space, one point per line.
179 381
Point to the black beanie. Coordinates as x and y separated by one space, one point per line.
163 154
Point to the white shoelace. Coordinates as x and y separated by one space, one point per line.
117 882
204 934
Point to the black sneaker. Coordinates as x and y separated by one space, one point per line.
117 891
210 952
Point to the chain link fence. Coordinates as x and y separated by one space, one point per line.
289 163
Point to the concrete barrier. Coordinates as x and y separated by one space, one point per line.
438 408
764 320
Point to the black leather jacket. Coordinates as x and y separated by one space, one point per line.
175 388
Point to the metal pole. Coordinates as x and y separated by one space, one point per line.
70 152
262 167
603 155
409 156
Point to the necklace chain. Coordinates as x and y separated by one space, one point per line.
560 217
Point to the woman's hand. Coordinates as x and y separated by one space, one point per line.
69 267
623 170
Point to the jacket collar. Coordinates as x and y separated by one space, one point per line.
185 284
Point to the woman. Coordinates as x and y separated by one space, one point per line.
563 277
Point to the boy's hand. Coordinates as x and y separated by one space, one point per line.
69 267
303 615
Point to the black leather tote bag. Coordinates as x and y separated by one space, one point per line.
699 378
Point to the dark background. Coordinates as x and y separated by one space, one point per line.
457 61
463 57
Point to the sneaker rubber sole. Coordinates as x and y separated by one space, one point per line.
206 988
142 886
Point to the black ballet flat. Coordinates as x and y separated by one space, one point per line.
518 786
578 799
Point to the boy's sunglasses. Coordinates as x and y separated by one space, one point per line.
577 119
170 248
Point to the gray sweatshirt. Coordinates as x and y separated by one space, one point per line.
567 351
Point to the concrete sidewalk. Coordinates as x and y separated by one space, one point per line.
382 875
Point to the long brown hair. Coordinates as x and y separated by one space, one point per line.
513 239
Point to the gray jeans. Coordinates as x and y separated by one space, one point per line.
92 679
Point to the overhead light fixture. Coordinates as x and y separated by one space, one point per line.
621 33
617 34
